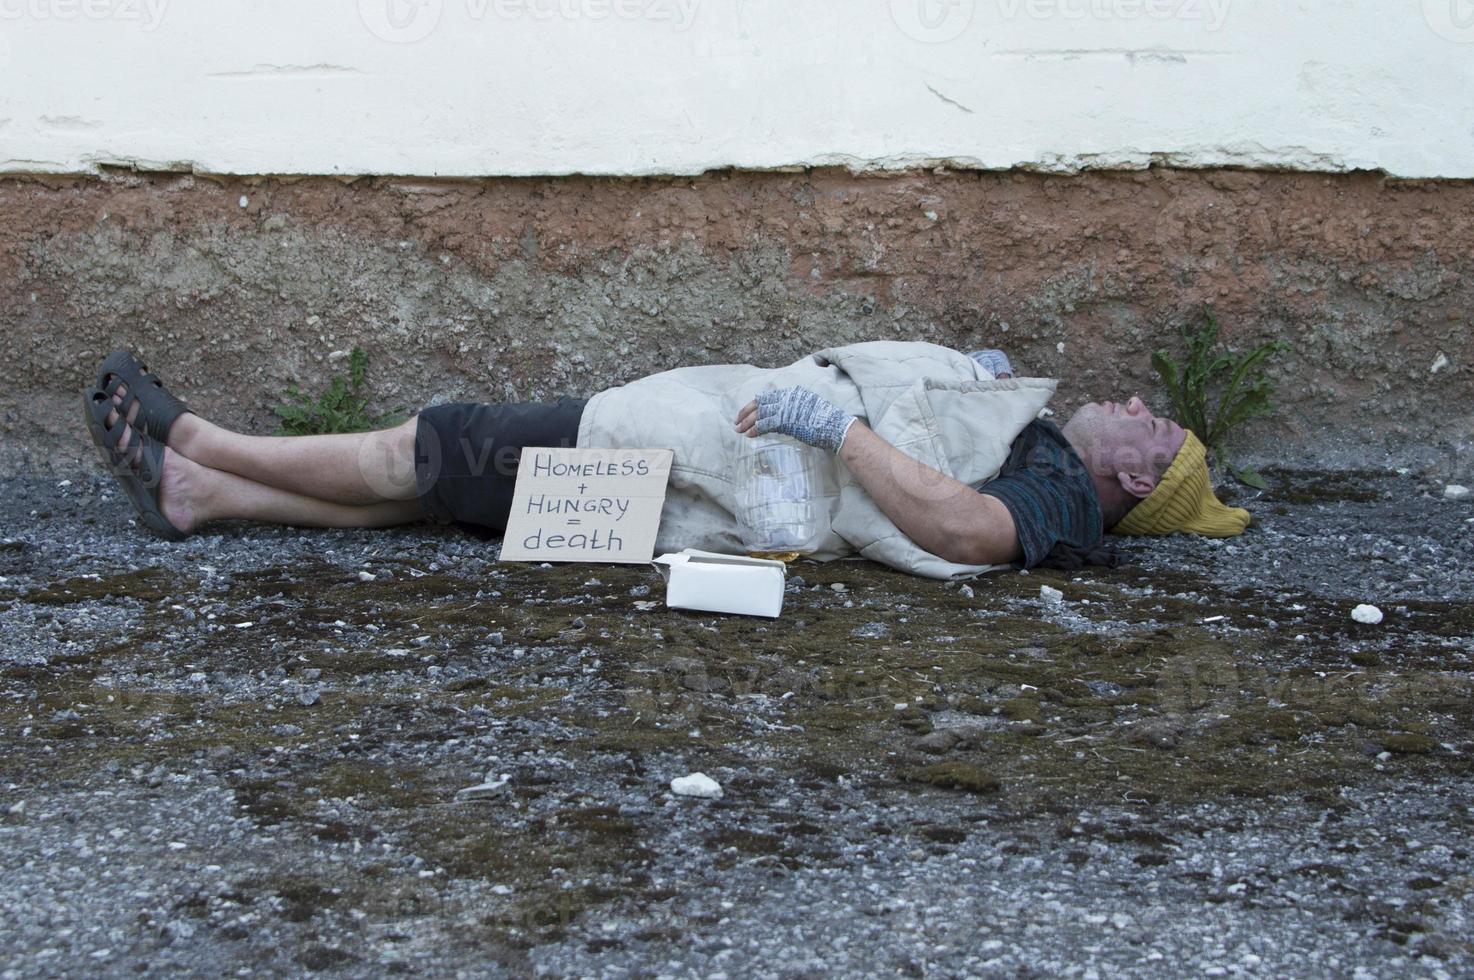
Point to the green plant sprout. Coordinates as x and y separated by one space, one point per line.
1242 390
342 407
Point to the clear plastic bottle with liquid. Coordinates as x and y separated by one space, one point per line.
783 496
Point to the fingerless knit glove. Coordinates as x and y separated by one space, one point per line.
803 414
995 362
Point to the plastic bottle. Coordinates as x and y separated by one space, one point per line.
782 497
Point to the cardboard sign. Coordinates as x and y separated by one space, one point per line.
598 505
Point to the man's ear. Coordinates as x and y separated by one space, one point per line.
1139 485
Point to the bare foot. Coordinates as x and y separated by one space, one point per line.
183 488
183 483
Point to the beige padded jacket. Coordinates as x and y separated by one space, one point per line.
934 404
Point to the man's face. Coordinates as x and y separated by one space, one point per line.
1117 438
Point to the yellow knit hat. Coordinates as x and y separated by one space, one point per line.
1183 501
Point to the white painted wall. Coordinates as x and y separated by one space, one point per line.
481 87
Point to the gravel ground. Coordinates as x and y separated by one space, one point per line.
242 754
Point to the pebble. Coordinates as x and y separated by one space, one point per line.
839 587
489 790
308 697
1050 594
939 742
698 784
1455 491
967 592
366 576
1368 614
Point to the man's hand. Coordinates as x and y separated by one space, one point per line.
995 362
798 412
948 518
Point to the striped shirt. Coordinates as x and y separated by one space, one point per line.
1045 486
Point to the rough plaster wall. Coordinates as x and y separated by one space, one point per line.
520 288
528 87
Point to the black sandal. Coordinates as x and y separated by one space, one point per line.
139 467
157 407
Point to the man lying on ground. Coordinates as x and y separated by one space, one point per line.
943 464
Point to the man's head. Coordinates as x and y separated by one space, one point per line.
1151 474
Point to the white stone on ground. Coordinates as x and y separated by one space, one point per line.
1050 594
488 790
1364 613
1455 491
697 784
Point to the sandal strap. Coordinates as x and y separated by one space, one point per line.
158 408
143 456
139 467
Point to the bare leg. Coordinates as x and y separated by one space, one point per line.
191 494
358 468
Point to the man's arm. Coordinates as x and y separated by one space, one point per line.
942 515
946 517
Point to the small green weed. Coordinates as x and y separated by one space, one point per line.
1243 392
343 407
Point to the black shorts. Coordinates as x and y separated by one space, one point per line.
466 456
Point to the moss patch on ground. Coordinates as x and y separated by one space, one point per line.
352 711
